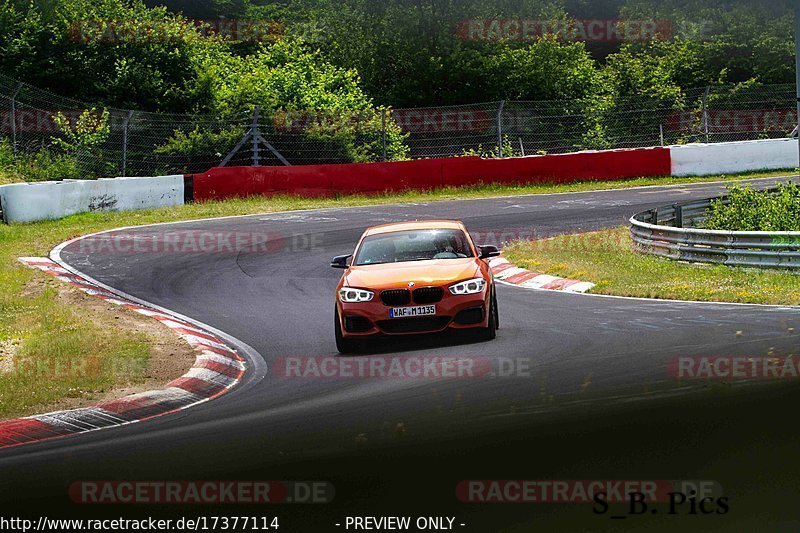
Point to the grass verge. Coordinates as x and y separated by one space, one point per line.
46 345
607 259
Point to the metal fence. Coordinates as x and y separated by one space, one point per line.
671 232
145 143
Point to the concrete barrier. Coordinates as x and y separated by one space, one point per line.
371 178
733 157
29 202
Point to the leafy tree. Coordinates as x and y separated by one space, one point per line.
289 77
544 70
83 140
114 51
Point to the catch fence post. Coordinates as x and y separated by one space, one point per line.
705 112
383 131
125 142
14 118
500 128
254 128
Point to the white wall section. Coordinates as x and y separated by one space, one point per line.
29 202
733 157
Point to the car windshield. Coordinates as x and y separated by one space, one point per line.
414 245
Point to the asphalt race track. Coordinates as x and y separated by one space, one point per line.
596 400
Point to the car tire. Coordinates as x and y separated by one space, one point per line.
343 345
496 309
490 332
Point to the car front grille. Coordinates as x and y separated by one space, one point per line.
396 297
414 325
428 295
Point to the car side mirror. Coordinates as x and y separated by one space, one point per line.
340 261
489 251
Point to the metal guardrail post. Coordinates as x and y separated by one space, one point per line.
678 215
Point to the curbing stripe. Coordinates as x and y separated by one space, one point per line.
511 274
497 268
509 271
582 286
539 281
25 430
216 370
521 277
197 386
203 342
218 367
211 356
560 284
212 376
193 333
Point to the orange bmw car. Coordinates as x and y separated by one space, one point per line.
416 277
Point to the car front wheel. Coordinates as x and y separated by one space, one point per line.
343 344
490 331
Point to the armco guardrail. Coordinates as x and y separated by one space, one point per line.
669 232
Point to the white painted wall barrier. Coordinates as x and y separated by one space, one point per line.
50 200
733 157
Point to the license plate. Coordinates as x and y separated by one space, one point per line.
404 312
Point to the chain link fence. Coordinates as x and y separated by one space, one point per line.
143 143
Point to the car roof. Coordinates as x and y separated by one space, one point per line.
417 225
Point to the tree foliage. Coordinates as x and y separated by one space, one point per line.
353 58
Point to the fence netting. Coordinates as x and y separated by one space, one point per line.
138 143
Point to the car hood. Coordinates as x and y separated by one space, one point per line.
393 275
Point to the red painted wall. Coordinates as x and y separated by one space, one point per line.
371 178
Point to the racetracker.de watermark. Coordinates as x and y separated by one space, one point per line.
201 492
734 120
401 367
111 31
529 491
591 30
199 242
728 368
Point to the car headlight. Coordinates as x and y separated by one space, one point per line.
352 296
471 286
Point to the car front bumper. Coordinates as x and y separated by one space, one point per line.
452 312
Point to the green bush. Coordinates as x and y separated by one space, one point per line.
44 165
751 210
201 142
490 152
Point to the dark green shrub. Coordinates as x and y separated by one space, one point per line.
751 210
